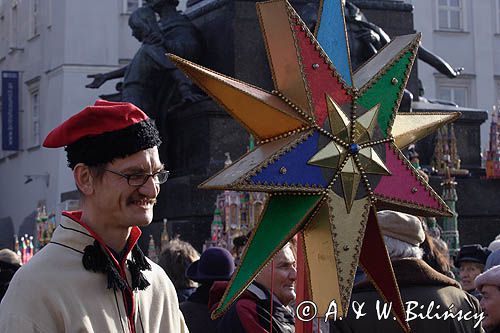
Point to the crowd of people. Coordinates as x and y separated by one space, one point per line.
93 277
423 270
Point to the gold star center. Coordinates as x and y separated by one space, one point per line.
352 155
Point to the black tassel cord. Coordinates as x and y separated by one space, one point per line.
138 264
97 260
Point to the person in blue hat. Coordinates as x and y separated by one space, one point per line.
215 264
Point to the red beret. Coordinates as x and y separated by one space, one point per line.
97 119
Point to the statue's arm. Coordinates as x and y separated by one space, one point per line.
101 78
372 37
438 63
384 37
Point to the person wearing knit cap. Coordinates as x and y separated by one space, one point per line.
418 284
488 283
92 276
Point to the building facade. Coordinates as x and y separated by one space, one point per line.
466 33
53 46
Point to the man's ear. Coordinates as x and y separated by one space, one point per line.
83 178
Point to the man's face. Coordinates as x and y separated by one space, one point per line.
468 272
490 303
285 274
122 205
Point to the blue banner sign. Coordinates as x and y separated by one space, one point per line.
10 110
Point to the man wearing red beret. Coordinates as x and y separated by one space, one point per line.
92 276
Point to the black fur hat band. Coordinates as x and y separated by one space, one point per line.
104 148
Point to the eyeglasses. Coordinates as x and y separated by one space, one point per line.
139 179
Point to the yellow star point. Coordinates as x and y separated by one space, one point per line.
365 125
331 156
371 162
339 122
351 176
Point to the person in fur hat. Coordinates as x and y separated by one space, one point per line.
426 293
488 283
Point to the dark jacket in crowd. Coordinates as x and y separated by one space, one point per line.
7 271
184 293
251 312
495 330
420 283
196 312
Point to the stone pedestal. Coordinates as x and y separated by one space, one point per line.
198 137
395 17
467 132
233 40
478 212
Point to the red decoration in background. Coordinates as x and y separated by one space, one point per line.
302 286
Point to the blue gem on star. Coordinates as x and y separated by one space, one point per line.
354 148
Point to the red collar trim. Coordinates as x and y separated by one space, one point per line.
135 233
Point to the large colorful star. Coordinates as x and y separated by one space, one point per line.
328 155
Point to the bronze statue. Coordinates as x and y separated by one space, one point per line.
366 38
150 80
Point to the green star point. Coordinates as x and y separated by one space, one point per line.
283 217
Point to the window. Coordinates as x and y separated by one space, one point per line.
130 5
450 15
13 27
13 125
3 153
1 150
34 18
34 117
497 86
48 12
456 94
4 38
497 15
